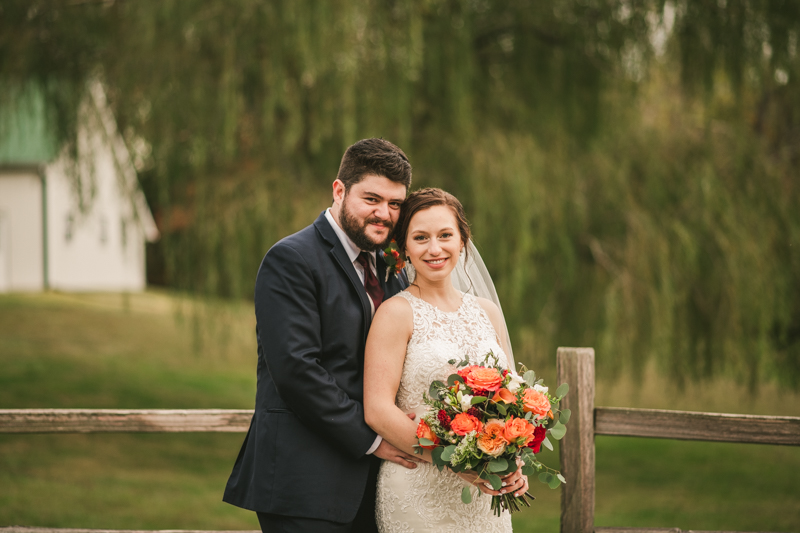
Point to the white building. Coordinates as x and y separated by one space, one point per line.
72 225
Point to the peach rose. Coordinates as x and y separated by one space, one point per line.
518 428
505 396
480 378
463 423
491 441
424 431
535 402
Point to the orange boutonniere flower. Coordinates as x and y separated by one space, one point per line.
394 263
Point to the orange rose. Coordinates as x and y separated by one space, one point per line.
492 441
424 431
518 428
480 378
505 396
535 402
463 423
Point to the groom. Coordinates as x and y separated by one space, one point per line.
309 461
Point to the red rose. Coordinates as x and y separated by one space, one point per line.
535 443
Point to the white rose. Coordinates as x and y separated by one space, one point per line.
466 402
515 383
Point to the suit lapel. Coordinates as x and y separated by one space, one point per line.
340 256
380 268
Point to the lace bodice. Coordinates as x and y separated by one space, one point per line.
438 337
425 499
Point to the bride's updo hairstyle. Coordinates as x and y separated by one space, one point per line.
425 199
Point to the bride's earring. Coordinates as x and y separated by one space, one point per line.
410 272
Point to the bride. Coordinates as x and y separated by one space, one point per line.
411 340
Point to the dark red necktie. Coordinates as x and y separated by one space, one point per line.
370 281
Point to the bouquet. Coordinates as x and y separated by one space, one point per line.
485 418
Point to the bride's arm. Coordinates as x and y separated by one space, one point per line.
385 354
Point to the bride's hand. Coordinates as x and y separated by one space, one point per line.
515 481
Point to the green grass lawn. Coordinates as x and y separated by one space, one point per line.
142 351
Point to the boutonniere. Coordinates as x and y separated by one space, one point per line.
394 263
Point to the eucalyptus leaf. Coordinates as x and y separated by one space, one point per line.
559 476
558 430
554 482
530 378
447 453
426 442
478 399
498 465
529 471
547 444
434 390
495 480
502 409
466 495
451 362
544 477
436 456
453 378
528 456
562 390
564 416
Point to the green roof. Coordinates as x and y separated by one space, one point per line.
25 137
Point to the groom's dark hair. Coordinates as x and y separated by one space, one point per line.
374 156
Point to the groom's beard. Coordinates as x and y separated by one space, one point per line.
357 231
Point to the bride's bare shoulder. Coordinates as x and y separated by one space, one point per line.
494 314
489 306
393 321
395 308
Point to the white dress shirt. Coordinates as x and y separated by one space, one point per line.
353 252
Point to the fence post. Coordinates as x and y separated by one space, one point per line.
576 367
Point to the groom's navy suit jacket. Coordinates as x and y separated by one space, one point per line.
305 451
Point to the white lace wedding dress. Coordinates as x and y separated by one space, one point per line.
424 499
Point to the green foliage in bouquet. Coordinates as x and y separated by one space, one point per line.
491 420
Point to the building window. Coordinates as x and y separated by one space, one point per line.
124 233
103 230
69 227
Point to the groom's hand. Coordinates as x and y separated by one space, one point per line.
387 452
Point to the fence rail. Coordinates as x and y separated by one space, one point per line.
575 366
124 420
688 425
25 529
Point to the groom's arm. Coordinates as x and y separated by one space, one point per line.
290 331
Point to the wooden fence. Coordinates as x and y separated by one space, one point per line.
575 366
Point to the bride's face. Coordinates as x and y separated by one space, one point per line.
433 242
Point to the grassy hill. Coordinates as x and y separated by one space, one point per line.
157 351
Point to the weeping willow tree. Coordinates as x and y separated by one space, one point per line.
629 167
